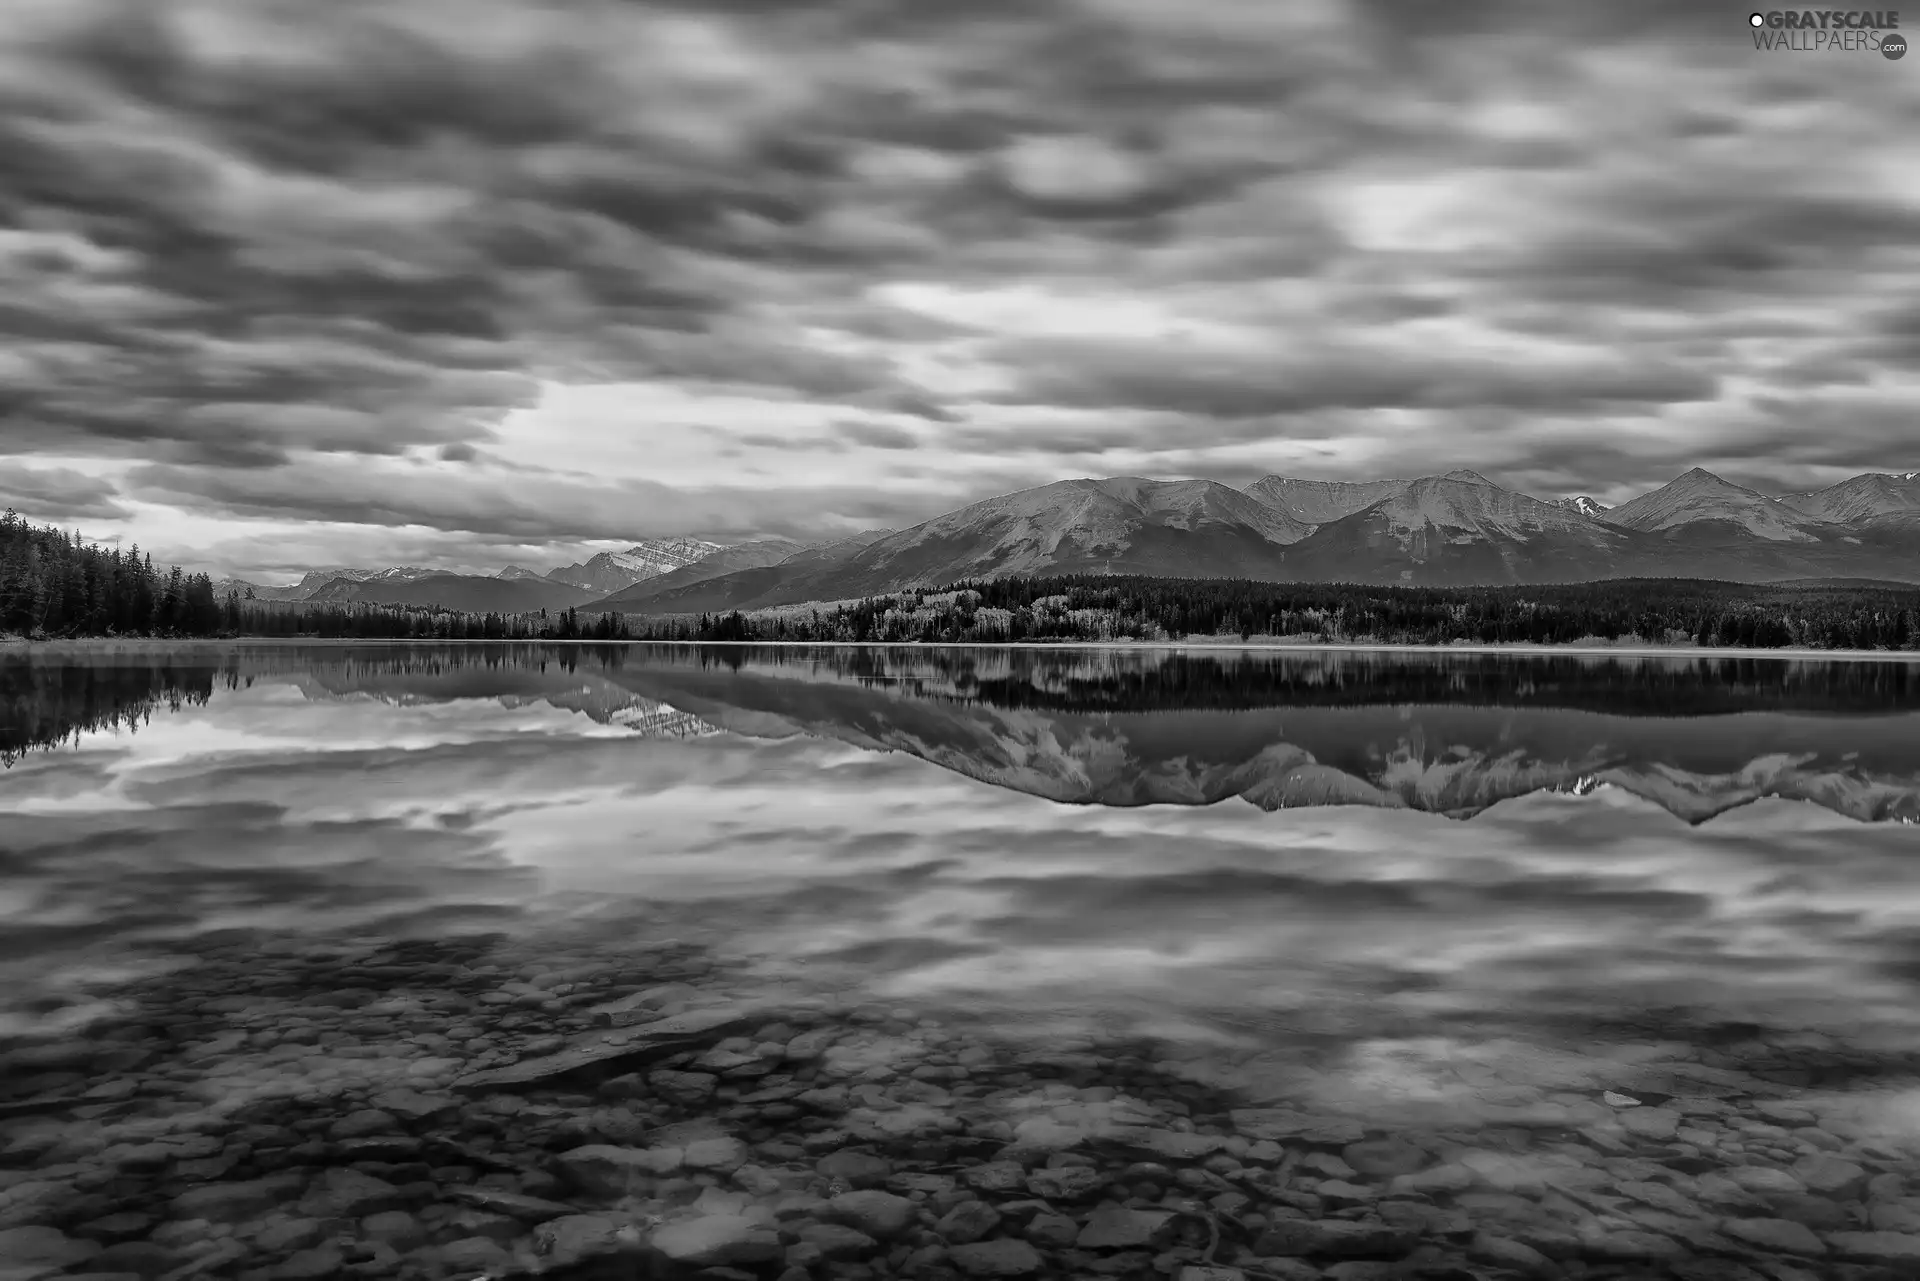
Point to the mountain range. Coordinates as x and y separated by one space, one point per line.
1456 529
1440 734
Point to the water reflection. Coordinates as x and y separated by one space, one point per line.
344 915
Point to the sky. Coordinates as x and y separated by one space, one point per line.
467 282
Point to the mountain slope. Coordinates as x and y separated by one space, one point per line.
314 579
469 592
1315 502
1447 530
649 558
1700 497
1193 528
1863 499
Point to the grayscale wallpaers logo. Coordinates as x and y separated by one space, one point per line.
1829 31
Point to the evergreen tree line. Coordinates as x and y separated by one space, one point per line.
51 584
355 621
1091 608
54 586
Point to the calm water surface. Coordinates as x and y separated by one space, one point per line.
462 961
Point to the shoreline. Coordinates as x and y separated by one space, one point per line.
148 644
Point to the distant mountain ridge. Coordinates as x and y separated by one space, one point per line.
1455 529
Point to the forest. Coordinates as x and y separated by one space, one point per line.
1676 612
54 586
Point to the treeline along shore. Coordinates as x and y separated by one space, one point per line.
54 587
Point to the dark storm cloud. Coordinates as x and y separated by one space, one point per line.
1166 377
58 494
506 503
878 435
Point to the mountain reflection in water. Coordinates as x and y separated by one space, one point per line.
201 851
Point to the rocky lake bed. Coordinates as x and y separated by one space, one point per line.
274 1110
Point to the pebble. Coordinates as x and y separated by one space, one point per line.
323 1138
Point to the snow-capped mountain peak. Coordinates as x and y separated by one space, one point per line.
1584 505
649 558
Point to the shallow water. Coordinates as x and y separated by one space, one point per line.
452 961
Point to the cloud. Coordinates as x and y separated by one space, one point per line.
249 251
505 504
57 494
1115 375
879 436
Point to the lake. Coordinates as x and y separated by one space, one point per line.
452 961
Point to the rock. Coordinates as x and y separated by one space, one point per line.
233 1202
1765 1181
684 1088
1501 1252
1614 1099
363 1124
1660 1196
1626 1245
1067 1183
1894 1217
312 1264
527 1209
718 1155
1817 1212
1283 1123
878 1214
1325 1164
42 1247
1116 1227
838 1243
1343 1238
1829 1175
127 1225
348 1194
1339 1192
613 1051
1282 1269
473 1256
718 1239
968 1222
808 1046
1876 1247
995 1176
1194 1272
601 1169
1781 1236
1505 1172
1650 1123
1168 1145
142 1258
396 1227
1005 1257
1452 1177
283 1236
855 1168
413 1106
581 1238
1425 1218
1055 1231
1384 1158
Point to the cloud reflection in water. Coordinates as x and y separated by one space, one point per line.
1388 939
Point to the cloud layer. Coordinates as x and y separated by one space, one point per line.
464 281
